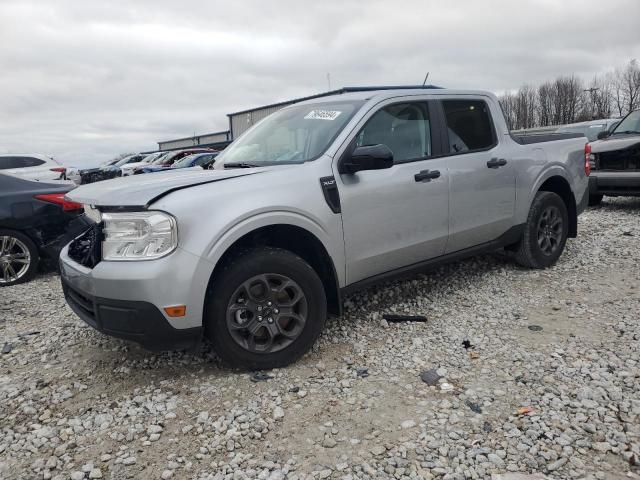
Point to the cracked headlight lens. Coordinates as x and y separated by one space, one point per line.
138 235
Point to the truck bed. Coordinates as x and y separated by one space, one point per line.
528 139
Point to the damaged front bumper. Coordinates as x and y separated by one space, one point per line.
127 299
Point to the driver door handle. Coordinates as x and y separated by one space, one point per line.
426 175
496 163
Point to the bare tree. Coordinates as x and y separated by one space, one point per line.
525 107
626 87
507 102
546 104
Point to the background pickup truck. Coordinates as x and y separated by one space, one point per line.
318 199
615 161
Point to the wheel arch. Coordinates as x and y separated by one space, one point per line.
295 239
560 186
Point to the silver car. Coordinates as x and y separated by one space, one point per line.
320 198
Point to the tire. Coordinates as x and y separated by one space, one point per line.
18 258
239 302
540 247
595 200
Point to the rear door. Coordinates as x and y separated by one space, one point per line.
395 217
482 178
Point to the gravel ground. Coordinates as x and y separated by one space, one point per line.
549 382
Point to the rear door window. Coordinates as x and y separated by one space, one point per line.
469 125
19 162
403 127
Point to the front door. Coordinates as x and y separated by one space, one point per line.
398 216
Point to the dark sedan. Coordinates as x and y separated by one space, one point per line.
35 223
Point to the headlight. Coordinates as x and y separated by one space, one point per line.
138 235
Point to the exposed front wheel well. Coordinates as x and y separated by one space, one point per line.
561 187
296 240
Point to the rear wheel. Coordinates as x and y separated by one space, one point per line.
595 200
545 233
18 258
265 309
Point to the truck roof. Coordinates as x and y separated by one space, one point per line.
382 93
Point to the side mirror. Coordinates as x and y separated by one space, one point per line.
603 134
370 157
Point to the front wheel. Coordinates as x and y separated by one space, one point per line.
265 309
18 258
545 233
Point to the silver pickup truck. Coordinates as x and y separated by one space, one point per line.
319 199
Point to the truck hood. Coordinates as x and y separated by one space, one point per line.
142 190
615 142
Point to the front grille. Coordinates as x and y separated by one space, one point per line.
85 249
617 160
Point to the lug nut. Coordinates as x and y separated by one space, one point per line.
275 310
269 304
270 320
259 318
259 308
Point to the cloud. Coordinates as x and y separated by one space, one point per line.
84 81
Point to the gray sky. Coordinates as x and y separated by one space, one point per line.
84 81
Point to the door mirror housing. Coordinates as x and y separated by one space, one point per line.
603 134
370 157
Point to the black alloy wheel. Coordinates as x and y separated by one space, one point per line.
267 313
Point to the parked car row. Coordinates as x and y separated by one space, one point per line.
147 163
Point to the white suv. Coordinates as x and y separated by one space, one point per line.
32 167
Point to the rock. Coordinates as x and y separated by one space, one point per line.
95 473
278 413
430 377
167 474
378 450
557 464
408 424
329 442
154 429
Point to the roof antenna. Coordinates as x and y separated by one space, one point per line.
425 79
329 81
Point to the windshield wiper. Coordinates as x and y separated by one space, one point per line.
240 165
628 131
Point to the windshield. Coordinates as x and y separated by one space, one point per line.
295 134
630 124
184 162
150 158
124 161
158 160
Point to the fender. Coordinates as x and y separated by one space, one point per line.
555 170
277 217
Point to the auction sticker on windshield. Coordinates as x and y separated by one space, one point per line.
322 115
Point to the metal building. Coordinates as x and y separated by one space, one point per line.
213 140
